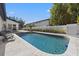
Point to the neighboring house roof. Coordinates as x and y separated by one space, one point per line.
37 21
12 19
3 11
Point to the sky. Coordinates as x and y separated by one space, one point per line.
29 12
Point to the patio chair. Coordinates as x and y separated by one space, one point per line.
7 36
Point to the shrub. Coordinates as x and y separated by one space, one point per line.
51 30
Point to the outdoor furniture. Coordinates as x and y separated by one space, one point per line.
8 36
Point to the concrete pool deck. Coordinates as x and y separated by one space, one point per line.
20 47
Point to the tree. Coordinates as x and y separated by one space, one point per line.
53 18
21 23
78 19
74 11
64 13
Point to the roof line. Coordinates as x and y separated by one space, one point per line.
12 19
38 21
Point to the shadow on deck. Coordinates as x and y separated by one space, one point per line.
3 41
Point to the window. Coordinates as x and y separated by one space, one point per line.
14 26
9 26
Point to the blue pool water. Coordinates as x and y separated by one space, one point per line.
47 43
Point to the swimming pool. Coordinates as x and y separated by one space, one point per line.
47 43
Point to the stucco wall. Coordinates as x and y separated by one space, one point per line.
1 24
2 45
11 22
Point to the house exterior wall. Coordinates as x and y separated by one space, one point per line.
1 24
2 21
10 22
2 16
38 24
42 23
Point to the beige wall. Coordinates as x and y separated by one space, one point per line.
12 23
72 29
2 45
1 24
